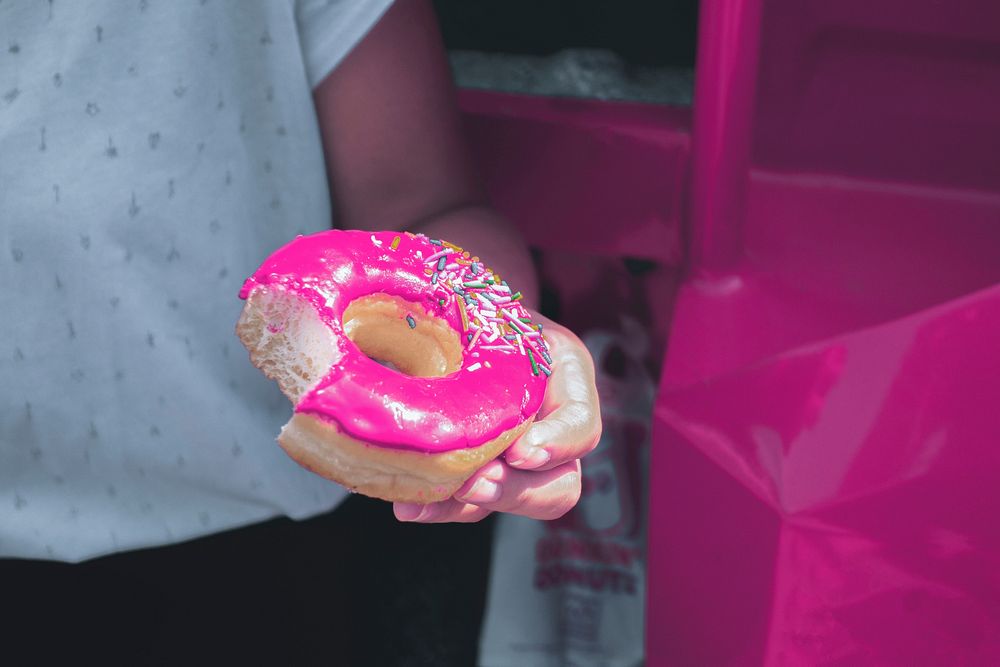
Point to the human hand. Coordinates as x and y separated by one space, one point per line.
539 475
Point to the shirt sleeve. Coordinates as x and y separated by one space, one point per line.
329 29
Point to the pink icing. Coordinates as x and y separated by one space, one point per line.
495 389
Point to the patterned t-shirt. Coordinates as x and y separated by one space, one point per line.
152 153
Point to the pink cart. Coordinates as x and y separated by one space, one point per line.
826 458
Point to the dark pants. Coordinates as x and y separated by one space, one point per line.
352 587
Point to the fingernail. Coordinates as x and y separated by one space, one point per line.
408 511
536 457
492 471
484 491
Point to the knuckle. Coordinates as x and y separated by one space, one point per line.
577 415
567 500
595 435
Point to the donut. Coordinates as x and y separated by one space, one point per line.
409 362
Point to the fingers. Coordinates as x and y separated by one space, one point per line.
571 422
445 511
567 434
499 488
541 477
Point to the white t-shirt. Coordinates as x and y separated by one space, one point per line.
152 154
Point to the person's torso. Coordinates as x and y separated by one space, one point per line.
151 155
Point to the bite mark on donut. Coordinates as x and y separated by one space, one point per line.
287 340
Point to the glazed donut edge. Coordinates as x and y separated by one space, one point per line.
395 475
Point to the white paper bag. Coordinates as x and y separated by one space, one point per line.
571 591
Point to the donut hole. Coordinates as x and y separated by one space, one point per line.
378 325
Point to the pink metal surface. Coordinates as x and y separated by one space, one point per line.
728 48
579 175
825 468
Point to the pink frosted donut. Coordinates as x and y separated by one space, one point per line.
462 371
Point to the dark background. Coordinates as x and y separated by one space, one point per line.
643 32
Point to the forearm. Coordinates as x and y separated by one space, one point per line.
395 152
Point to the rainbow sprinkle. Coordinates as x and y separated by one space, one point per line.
465 316
492 315
534 364
412 322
